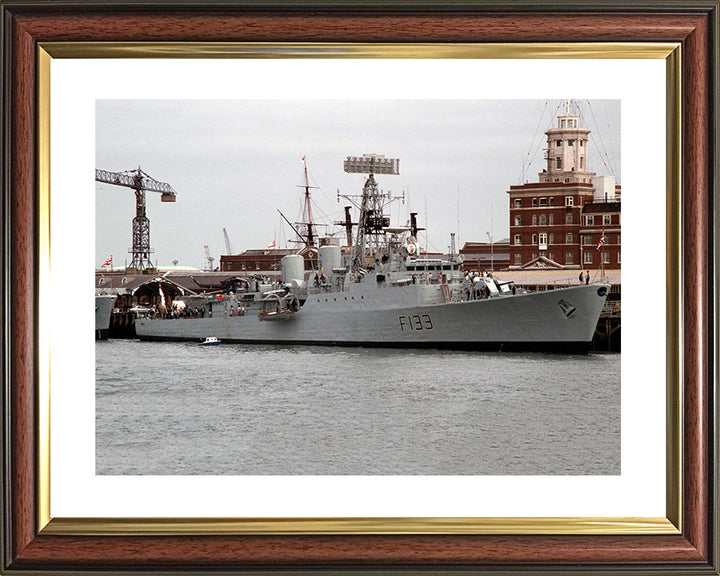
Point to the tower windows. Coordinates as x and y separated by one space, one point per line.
558 143
569 201
558 163
517 220
518 240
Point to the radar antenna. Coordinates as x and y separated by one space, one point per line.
372 220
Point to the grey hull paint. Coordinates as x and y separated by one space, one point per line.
103 311
562 320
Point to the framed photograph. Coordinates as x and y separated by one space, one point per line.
78 78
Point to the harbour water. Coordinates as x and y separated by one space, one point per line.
182 409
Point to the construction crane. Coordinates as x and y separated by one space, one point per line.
228 248
141 183
209 259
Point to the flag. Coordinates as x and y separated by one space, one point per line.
602 241
162 295
303 161
108 262
272 244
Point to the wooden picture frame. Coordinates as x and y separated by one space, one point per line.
31 544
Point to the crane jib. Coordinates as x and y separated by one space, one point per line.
133 180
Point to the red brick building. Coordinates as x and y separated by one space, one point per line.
558 222
268 260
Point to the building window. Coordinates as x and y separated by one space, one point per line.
552 202
568 218
518 203
257 265
556 180
552 219
551 255
569 258
582 143
581 160
569 201
558 163
571 142
543 219
587 257
243 266
618 239
542 239
543 201
606 257
534 220
618 257
558 143
568 238
534 239
534 201
587 239
517 239
517 220
533 256
589 220
551 238
518 258
607 219
567 180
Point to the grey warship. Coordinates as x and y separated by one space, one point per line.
382 293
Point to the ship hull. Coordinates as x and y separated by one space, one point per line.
103 311
557 320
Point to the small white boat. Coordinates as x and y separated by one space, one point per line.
209 341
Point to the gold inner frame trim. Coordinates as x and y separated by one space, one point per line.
564 50
406 526
436 525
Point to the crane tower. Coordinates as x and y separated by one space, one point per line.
141 183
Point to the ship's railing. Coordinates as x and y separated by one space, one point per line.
611 308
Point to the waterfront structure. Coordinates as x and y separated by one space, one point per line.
559 221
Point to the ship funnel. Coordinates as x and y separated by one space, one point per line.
293 270
330 258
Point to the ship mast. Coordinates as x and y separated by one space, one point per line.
310 236
372 220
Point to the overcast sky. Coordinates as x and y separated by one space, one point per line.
234 164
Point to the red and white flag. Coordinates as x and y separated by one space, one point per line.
602 241
108 262
272 244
